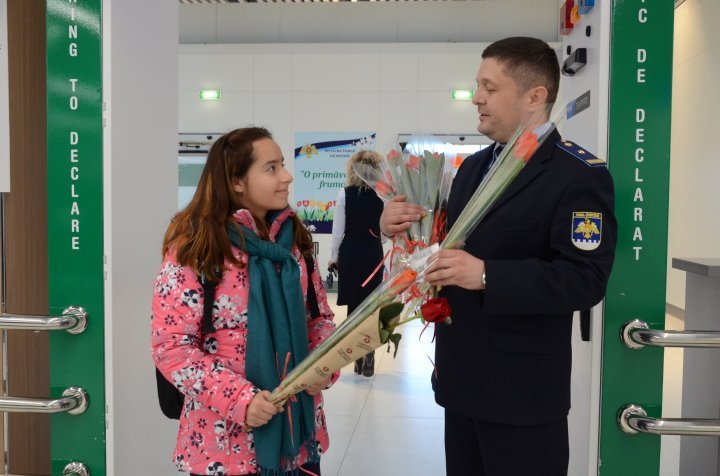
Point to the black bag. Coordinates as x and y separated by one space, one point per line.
170 398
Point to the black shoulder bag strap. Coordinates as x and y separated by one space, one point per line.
311 296
208 301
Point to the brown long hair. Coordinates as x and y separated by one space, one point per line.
198 233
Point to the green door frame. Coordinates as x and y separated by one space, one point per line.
639 159
75 223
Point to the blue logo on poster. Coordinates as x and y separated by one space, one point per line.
586 230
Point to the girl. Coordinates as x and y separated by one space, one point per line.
239 232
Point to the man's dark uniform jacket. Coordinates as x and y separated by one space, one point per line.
506 357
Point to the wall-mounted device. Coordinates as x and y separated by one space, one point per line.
575 62
585 6
566 24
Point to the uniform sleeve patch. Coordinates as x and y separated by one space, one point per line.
586 231
581 154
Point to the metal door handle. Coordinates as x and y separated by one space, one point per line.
636 334
73 320
76 469
74 401
633 419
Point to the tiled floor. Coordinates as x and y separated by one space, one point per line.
389 424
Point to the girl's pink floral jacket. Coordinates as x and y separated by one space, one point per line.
212 437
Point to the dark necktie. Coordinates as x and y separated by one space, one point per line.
495 155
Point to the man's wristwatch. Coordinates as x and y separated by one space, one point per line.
482 280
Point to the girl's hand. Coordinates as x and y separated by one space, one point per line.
318 387
260 411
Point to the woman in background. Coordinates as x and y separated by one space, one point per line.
356 244
238 231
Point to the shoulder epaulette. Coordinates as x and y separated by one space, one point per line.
581 154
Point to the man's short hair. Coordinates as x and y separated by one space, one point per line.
529 61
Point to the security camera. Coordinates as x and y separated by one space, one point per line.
462 138
574 62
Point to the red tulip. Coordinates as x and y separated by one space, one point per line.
382 188
413 162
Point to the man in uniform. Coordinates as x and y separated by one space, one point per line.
543 251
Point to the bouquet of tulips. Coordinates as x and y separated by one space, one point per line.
423 175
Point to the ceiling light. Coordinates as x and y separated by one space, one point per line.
462 94
210 94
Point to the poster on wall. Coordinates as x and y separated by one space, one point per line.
320 164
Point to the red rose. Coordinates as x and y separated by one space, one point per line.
435 310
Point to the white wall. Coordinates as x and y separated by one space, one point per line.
695 161
140 88
369 22
386 88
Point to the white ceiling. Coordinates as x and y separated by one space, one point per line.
365 21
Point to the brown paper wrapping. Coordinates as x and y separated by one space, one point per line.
359 342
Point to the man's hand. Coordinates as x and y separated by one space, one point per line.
457 268
398 214
260 411
317 387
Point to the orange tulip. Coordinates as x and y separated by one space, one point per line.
457 162
526 146
403 280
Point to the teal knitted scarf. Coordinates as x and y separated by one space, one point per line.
277 333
